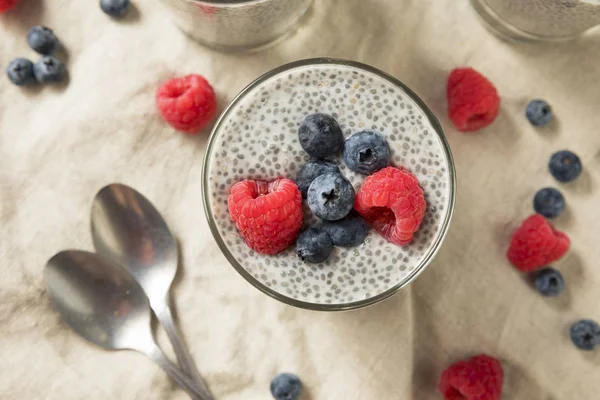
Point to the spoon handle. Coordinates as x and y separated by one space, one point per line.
179 377
186 362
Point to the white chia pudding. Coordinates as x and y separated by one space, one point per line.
257 138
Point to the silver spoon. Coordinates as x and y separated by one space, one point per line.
105 305
127 229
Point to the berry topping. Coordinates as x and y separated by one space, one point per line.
20 72
366 152
6 5
538 112
320 135
347 232
115 8
585 334
392 202
313 245
478 378
311 170
549 282
549 202
268 215
188 103
565 166
286 387
473 102
42 40
49 70
536 243
331 196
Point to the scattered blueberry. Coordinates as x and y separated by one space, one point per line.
20 72
331 196
115 8
366 152
42 40
549 282
538 112
320 135
311 170
549 202
286 387
313 245
347 232
49 70
565 166
585 334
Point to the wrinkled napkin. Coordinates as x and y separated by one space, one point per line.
59 145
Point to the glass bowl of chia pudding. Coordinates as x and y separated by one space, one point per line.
256 138
237 25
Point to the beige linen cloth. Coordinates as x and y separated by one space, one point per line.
58 146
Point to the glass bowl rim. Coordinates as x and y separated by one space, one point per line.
324 306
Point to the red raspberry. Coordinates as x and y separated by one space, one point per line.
187 103
6 5
478 378
392 201
267 214
473 102
209 10
536 243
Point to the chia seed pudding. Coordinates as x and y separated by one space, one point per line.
540 19
257 138
237 24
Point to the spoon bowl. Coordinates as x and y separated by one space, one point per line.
128 229
99 300
104 304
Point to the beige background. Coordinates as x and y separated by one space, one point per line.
58 146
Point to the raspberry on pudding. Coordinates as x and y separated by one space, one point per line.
268 215
392 201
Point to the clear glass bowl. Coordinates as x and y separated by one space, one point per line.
256 138
237 25
539 20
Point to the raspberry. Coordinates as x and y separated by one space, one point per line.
535 244
187 103
392 201
478 378
268 215
6 5
473 102
208 10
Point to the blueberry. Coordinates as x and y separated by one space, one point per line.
49 70
42 40
585 334
366 152
320 135
115 8
347 232
549 202
565 166
313 245
549 282
20 72
311 170
331 196
538 112
286 387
